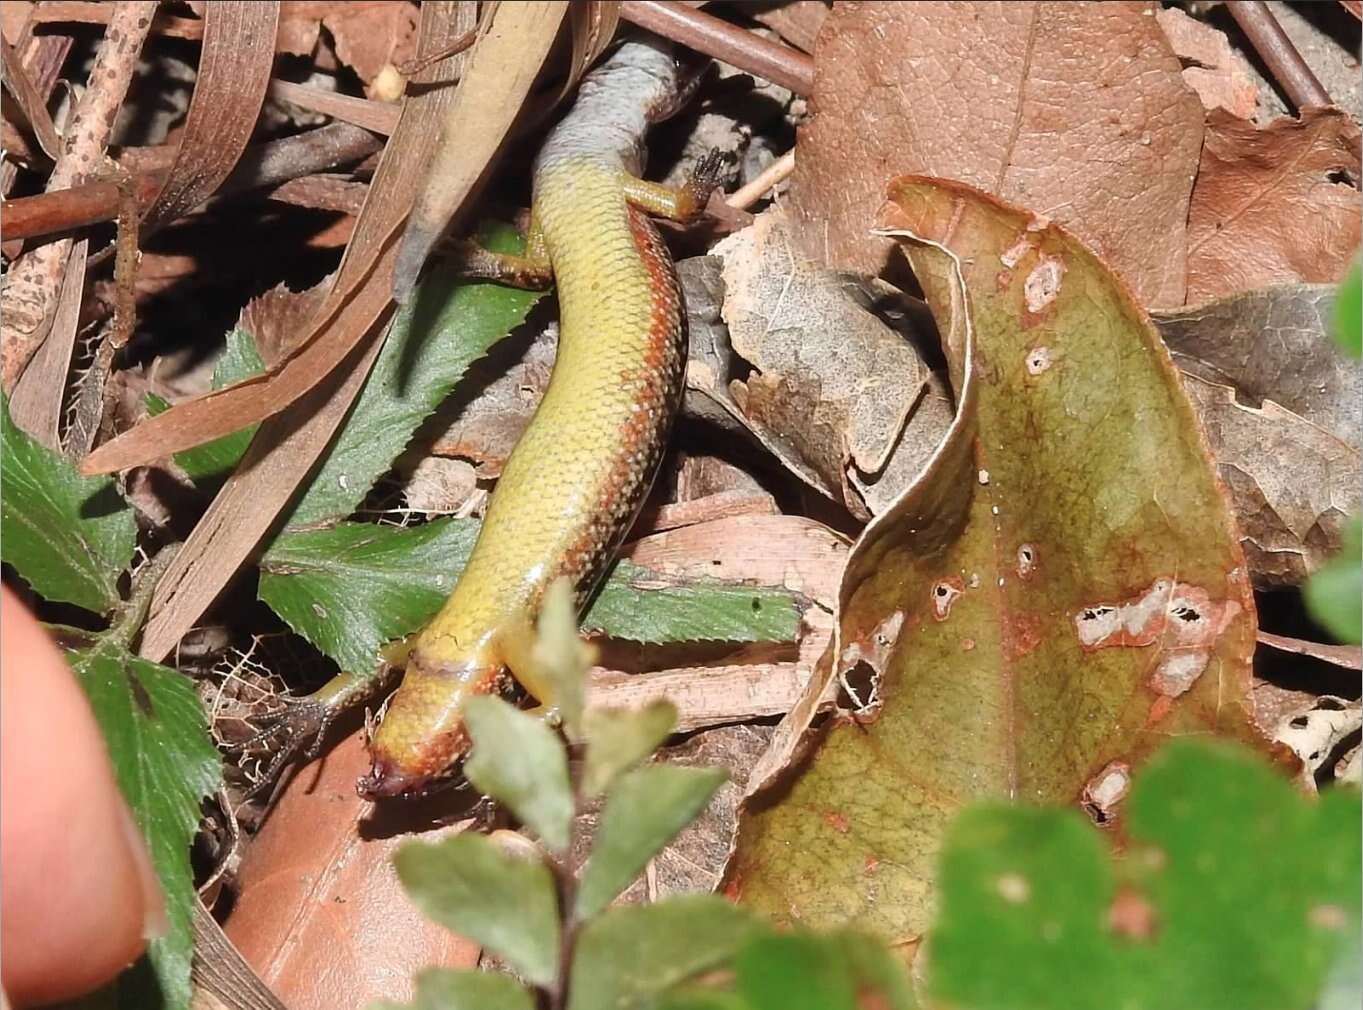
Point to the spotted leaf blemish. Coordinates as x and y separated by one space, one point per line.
1182 618
1011 256
944 593
1038 360
1042 284
1105 790
1026 560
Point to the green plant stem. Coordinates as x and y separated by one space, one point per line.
132 614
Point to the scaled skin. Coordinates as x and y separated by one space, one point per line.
77 893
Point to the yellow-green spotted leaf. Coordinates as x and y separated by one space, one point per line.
1060 591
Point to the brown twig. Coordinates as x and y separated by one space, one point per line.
1278 53
770 177
28 299
705 33
268 164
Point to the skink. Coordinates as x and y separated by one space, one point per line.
579 473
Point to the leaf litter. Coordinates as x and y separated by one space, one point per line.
860 432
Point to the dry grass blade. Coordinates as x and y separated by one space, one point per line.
36 405
30 101
381 117
503 65
286 447
234 71
29 297
42 57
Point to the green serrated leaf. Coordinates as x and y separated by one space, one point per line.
794 971
69 536
448 989
506 903
618 739
165 763
521 762
628 956
451 323
696 610
644 811
1334 594
1349 312
1031 904
351 588
211 462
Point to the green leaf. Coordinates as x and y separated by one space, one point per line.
1334 594
521 762
700 999
212 462
1349 312
629 955
448 989
618 739
1235 895
165 763
69 536
794 971
451 323
644 811
351 588
1061 590
693 610
508 904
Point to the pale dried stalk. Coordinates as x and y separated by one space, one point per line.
27 303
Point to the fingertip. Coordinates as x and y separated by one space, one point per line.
77 889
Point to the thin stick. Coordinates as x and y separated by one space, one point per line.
707 34
1278 53
769 178
269 164
28 299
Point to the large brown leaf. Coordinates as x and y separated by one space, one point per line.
1077 110
1059 593
1274 204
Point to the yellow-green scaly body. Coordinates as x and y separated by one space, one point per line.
576 479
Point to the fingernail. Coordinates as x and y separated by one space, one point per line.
154 922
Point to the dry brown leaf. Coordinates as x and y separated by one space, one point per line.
834 386
369 37
485 428
1075 111
1292 483
1219 75
798 21
1275 204
1273 344
321 915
